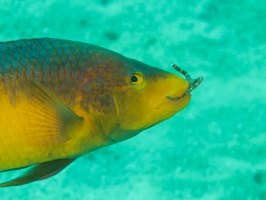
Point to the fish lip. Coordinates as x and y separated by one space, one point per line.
193 83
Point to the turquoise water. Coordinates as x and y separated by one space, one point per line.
215 148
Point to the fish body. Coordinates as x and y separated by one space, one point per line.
61 99
62 68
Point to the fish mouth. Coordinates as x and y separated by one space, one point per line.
193 83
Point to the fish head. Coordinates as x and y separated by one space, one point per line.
148 96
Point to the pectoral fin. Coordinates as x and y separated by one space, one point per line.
39 172
47 116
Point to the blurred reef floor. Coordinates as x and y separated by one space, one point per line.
215 148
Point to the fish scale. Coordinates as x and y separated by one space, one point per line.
49 71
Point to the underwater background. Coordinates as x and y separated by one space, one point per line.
216 147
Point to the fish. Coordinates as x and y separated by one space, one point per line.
62 99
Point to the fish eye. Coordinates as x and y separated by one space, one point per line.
136 79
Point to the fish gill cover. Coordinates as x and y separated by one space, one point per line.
215 148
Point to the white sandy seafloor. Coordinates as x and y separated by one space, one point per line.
216 147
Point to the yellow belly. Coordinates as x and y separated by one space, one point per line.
30 136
